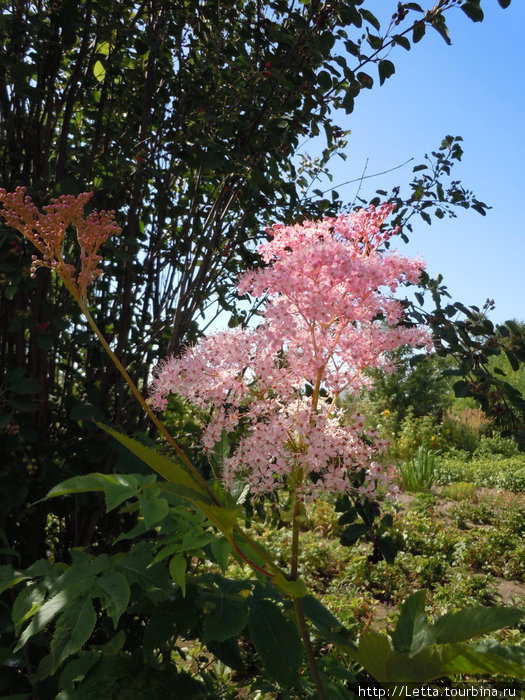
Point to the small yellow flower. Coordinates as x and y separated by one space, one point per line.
386 413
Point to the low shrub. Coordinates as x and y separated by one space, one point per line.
501 473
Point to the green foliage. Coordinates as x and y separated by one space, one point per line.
419 474
504 473
185 120
416 435
418 651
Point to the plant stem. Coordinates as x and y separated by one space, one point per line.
299 612
310 656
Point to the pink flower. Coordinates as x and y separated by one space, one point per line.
46 231
329 315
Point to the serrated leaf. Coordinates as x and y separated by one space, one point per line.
189 485
43 615
226 617
73 629
116 590
276 640
465 624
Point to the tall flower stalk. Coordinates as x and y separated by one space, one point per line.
329 315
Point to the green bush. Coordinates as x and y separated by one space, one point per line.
500 473
495 445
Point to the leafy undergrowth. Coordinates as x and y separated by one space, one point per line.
461 543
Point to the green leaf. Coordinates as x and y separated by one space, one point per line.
373 653
81 484
418 32
153 508
388 548
461 388
9 577
325 623
228 652
293 589
504 3
276 640
439 24
43 615
353 532
484 658
161 627
116 592
226 617
386 69
463 625
189 486
73 630
219 454
120 489
513 360
412 633
99 71
22 385
177 569
473 10
27 602
77 669
221 549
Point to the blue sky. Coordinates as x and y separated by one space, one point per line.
474 88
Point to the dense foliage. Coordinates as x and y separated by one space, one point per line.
186 118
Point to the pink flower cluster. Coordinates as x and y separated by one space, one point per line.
328 316
46 231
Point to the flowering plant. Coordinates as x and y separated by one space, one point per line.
329 315
327 318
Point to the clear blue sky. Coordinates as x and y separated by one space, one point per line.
474 88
